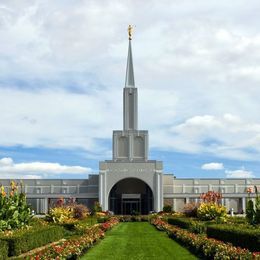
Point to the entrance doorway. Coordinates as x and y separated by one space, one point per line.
131 196
131 207
131 204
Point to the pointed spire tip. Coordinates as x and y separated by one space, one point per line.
129 80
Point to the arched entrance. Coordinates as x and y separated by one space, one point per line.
131 196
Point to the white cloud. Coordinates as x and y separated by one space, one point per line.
241 173
36 170
6 162
63 66
226 136
212 166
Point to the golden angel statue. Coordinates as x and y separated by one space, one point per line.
130 31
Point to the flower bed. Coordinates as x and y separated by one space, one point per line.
74 247
201 245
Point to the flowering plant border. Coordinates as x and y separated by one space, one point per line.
74 247
201 245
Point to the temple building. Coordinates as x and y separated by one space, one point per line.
130 182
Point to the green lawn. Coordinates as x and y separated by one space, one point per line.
137 240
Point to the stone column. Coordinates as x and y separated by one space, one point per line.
46 205
227 203
244 204
103 197
161 181
115 146
146 140
130 146
105 191
100 195
159 191
174 205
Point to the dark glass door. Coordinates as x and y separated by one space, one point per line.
131 207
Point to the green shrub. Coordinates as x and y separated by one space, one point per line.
70 226
180 222
3 250
238 236
167 208
188 223
26 240
236 220
257 207
250 212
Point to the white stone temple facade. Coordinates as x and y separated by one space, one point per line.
130 181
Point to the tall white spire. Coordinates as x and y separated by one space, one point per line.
130 91
129 79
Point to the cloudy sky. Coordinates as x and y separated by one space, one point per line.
62 72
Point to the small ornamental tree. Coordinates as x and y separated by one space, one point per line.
167 208
250 212
211 197
253 209
257 207
14 211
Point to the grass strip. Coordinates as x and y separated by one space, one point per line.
137 240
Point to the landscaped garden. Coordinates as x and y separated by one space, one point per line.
72 231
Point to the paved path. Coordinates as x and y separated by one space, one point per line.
137 241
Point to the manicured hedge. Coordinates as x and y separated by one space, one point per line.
133 218
27 240
188 223
238 236
3 250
